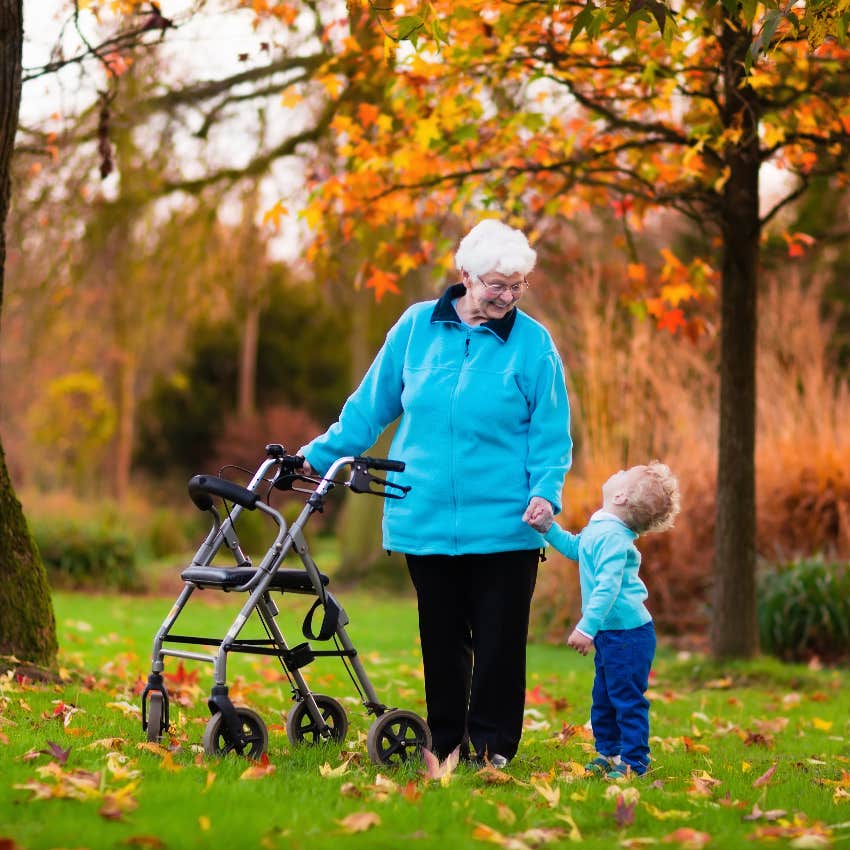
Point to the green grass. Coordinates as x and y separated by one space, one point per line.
716 730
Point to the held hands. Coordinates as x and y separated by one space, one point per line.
579 642
539 514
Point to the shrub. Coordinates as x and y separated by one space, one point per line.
88 554
804 610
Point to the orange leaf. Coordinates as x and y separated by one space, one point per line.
368 114
382 282
359 821
259 769
536 696
691 839
671 321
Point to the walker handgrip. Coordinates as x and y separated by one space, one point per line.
201 487
382 463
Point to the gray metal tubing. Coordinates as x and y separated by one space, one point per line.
296 675
156 660
194 656
257 586
222 531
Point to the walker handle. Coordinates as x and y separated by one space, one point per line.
381 463
201 487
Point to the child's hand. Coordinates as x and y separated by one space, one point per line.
579 642
539 514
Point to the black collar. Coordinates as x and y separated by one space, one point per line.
444 311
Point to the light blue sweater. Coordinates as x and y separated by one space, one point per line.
612 594
484 427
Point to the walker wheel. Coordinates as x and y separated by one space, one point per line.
302 729
156 716
255 736
397 736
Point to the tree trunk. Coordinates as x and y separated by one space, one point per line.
126 436
27 624
735 625
247 391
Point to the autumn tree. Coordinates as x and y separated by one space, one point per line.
544 110
27 625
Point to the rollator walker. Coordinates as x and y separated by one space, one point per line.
395 736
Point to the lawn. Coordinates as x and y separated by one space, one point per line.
745 755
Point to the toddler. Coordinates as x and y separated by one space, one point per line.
614 619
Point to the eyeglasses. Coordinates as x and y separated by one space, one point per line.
497 289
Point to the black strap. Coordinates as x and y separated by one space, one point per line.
329 621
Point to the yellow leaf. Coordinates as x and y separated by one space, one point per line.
389 50
204 823
331 83
551 795
290 99
666 814
275 214
326 770
823 725
746 767
426 131
169 764
359 821
567 818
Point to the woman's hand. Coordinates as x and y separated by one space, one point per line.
580 642
305 468
539 514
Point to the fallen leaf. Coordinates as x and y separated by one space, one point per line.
624 813
482 832
144 841
691 839
567 818
359 821
437 770
551 795
666 814
259 769
53 749
770 815
765 777
326 770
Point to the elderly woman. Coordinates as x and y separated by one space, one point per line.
478 388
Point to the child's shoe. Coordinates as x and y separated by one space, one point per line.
618 771
600 766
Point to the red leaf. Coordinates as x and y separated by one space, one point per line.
765 777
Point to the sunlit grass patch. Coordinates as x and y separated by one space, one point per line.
744 754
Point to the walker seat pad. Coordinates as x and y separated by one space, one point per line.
294 580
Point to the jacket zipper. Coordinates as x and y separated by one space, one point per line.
452 427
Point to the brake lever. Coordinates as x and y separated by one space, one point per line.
362 479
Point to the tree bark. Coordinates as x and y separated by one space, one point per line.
27 623
734 624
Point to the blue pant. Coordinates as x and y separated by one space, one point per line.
620 711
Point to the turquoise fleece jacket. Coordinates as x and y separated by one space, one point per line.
484 426
612 595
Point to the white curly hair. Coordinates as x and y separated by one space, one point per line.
492 246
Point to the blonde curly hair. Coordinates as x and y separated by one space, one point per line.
653 500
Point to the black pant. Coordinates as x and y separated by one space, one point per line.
473 625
